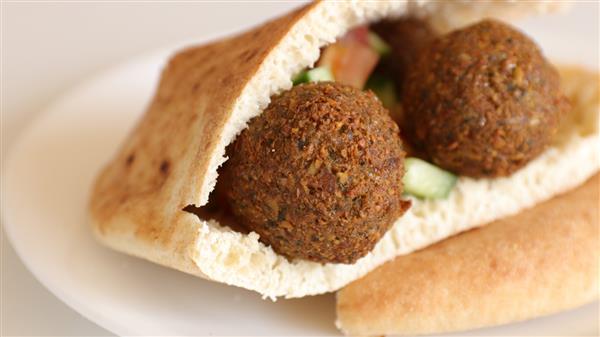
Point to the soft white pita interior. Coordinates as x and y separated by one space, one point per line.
227 256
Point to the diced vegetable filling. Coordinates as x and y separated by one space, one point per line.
425 180
318 74
351 60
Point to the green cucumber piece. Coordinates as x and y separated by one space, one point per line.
318 74
384 88
427 181
378 44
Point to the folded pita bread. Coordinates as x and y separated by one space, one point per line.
538 262
206 96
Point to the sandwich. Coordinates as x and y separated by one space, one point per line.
297 157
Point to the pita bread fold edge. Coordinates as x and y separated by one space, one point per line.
538 262
206 96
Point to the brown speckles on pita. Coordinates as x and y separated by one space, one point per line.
164 167
130 159
248 54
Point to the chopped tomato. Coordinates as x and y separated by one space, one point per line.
351 59
360 34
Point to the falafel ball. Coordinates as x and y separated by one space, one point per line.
318 175
406 36
482 101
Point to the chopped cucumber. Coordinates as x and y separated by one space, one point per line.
384 88
378 44
425 180
302 77
317 74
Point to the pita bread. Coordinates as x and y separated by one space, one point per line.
206 96
535 263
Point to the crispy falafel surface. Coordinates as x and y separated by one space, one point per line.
318 175
482 101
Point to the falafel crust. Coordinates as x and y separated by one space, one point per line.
482 101
318 175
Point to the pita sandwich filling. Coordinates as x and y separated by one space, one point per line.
320 173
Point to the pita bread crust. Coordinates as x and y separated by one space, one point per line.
540 261
205 97
163 165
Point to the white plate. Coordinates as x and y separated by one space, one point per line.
47 182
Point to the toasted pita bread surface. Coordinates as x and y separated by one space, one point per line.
540 261
206 96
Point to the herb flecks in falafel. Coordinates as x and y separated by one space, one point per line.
482 101
318 175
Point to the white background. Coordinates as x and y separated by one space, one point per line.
47 48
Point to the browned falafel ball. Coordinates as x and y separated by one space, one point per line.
482 101
318 174
406 36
